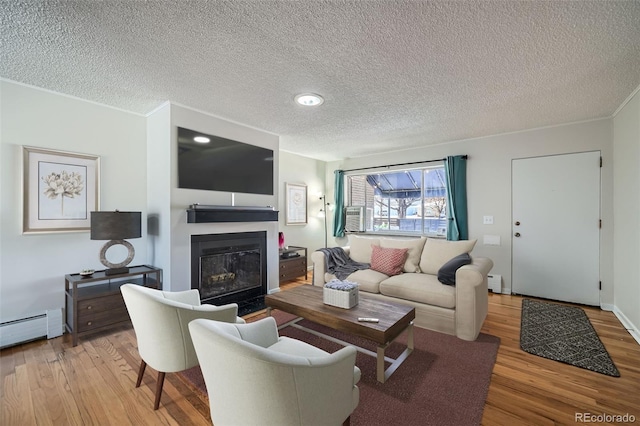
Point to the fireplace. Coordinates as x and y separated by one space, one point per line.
230 268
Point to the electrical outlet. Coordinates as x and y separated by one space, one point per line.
487 220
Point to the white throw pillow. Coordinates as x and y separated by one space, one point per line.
360 248
414 248
438 252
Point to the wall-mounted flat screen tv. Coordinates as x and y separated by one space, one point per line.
221 164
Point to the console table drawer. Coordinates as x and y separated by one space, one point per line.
293 264
100 304
292 268
95 319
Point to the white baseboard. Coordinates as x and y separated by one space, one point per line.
607 307
628 325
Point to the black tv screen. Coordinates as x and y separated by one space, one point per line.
223 164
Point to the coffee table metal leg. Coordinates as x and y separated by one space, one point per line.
383 375
380 373
410 336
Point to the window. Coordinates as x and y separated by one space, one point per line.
410 201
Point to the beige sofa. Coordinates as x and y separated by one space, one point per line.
458 309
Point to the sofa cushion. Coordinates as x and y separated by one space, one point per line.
447 273
438 252
360 248
414 246
367 279
422 288
388 261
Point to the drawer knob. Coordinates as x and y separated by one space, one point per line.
89 323
89 307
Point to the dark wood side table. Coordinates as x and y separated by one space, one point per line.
94 303
293 263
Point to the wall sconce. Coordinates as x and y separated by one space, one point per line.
116 226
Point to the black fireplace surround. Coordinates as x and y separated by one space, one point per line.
230 268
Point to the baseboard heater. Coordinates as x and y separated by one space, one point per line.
48 324
495 283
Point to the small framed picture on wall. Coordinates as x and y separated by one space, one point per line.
296 204
60 190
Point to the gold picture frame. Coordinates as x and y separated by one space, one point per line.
296 204
60 190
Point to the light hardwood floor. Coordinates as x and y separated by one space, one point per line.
49 382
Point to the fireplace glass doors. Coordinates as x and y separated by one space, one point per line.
229 268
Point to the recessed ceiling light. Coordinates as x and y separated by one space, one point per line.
309 99
201 139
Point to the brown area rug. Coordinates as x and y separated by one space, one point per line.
443 382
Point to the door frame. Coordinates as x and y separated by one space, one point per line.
599 244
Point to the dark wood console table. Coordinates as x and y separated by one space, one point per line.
295 266
94 303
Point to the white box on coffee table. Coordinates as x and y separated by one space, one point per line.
346 299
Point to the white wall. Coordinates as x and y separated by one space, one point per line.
138 173
32 267
158 183
626 202
136 154
489 183
306 171
171 248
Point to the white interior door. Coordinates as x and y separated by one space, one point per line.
555 228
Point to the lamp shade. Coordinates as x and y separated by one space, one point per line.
116 225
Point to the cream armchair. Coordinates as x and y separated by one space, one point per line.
255 377
160 320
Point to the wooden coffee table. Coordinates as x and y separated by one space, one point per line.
306 302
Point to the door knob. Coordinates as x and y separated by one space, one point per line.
517 234
517 223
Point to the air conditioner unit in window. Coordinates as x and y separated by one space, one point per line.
354 219
368 219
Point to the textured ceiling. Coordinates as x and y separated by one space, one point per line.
395 74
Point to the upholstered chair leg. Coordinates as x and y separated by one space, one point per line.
347 422
143 365
159 389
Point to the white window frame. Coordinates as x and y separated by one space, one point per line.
440 225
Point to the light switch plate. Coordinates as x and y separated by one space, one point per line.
487 220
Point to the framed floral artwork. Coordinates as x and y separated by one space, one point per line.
60 190
296 200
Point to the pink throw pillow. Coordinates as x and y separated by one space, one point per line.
388 261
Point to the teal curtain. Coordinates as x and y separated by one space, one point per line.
339 219
456 170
